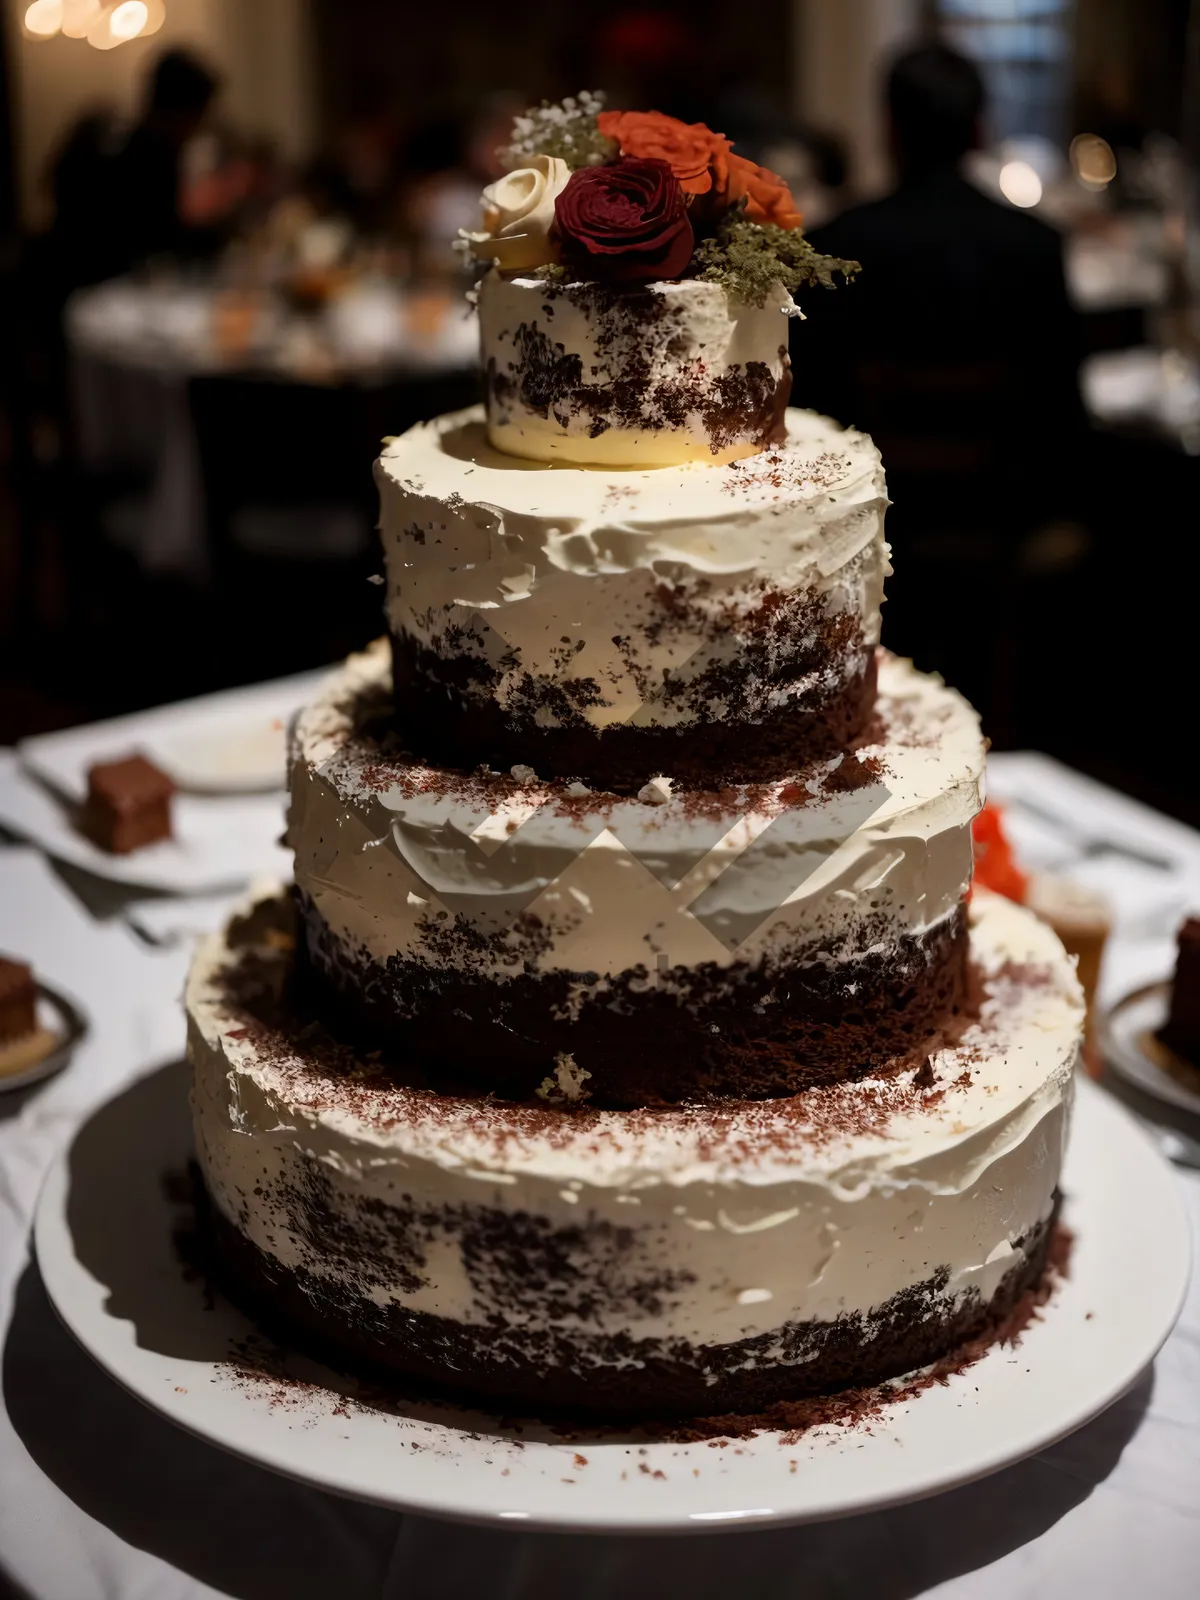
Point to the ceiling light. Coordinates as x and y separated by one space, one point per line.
80 17
129 19
44 18
1092 160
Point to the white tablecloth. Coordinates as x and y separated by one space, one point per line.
134 349
101 1500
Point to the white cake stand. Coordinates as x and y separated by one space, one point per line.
103 1237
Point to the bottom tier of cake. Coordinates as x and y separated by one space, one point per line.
690 1261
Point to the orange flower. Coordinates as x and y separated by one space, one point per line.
768 198
995 864
697 156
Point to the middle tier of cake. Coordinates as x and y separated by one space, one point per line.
495 932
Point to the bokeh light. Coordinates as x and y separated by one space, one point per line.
1020 184
44 18
129 19
80 17
1092 160
157 15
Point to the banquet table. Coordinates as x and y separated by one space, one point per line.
1119 269
101 1499
1150 393
136 347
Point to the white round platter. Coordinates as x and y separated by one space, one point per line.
103 1234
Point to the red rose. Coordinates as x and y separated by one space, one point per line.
625 223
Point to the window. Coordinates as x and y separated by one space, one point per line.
1023 48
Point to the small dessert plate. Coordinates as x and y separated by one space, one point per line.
230 743
104 1233
1131 1045
218 841
246 755
61 1024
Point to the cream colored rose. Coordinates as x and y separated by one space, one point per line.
518 213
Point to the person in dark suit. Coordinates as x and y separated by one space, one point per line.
956 349
118 190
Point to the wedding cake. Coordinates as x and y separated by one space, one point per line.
632 1041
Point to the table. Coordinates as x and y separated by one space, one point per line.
1151 393
136 347
101 1500
188 325
1123 267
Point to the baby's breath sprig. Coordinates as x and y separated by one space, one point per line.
565 128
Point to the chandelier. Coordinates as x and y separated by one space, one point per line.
103 23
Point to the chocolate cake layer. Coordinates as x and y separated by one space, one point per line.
567 1369
647 1037
445 711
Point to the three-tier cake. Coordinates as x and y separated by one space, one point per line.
630 1040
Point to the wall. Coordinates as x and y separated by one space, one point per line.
839 50
262 49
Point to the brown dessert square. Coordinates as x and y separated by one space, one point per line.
1182 1028
128 805
18 1000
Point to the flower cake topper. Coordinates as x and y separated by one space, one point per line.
627 197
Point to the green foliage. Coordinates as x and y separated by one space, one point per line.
749 258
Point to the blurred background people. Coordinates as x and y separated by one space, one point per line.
359 173
121 196
813 164
957 350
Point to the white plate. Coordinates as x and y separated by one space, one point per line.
1142 1012
103 1238
65 1019
228 743
219 842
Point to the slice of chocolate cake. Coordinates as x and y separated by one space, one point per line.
1181 1031
128 805
18 1000
24 1042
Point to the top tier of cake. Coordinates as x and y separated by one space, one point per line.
650 376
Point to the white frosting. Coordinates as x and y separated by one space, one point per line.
621 883
698 340
780 1211
559 574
